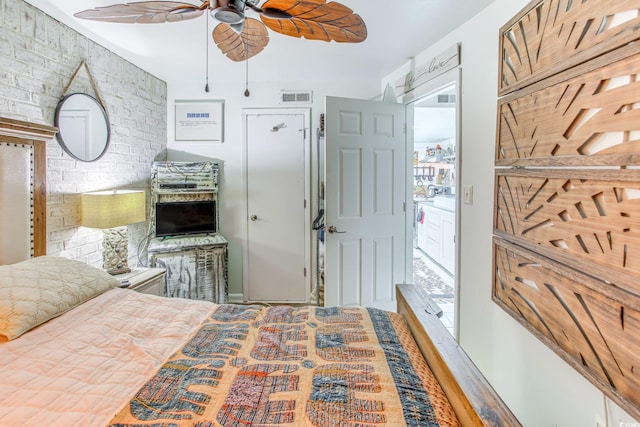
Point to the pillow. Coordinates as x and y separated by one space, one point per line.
39 289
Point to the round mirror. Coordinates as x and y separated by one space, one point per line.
83 127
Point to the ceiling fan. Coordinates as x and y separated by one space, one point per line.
240 37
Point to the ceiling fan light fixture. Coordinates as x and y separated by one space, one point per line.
239 27
228 15
241 38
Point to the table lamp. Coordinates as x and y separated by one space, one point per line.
112 211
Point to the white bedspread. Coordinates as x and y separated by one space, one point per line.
79 369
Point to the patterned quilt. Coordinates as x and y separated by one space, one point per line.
293 366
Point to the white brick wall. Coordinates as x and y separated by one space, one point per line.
38 56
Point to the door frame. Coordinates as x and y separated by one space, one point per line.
453 76
306 112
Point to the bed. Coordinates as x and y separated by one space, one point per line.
77 350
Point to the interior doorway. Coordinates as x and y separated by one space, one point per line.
435 204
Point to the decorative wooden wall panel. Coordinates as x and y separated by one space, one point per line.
578 217
549 36
567 192
595 330
592 119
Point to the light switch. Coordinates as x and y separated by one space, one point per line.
468 194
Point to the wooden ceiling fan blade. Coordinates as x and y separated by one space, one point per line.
268 12
316 20
241 46
145 12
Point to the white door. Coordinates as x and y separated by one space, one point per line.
277 256
365 166
77 132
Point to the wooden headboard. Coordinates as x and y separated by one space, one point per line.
567 192
30 139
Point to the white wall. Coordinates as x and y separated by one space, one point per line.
263 95
540 388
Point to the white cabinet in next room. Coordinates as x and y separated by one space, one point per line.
436 237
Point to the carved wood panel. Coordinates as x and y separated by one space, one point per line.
591 119
567 217
579 218
593 326
549 36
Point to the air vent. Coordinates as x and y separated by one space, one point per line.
296 97
446 99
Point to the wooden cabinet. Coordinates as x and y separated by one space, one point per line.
186 242
196 267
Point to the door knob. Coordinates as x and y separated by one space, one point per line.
332 229
254 217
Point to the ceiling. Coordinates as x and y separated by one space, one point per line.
397 31
434 119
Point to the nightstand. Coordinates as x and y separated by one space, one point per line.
145 280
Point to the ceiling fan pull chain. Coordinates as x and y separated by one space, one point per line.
246 80
206 86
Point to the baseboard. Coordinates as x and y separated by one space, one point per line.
236 298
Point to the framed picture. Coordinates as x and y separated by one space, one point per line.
199 120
